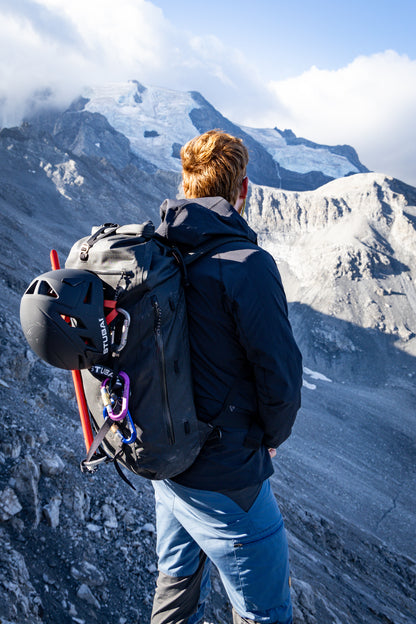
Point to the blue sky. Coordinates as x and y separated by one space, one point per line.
286 38
334 72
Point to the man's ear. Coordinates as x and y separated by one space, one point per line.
241 200
244 188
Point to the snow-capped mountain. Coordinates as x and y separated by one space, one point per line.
158 122
303 156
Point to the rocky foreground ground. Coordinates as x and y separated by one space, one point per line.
79 549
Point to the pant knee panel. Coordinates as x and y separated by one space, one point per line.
177 598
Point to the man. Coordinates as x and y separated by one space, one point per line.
247 374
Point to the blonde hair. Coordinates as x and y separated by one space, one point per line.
214 164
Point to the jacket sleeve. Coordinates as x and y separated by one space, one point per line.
260 310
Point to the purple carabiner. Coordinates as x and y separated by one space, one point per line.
105 395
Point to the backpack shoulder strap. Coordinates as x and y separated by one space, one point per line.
212 245
189 257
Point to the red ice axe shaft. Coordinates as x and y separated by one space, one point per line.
76 378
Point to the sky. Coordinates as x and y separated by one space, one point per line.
333 72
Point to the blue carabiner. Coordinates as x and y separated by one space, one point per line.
131 426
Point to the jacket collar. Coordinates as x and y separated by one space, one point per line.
191 222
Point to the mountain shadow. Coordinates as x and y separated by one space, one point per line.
349 352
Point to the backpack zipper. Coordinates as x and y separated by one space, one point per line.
124 273
162 365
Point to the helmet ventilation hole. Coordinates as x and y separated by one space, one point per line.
76 322
32 288
46 289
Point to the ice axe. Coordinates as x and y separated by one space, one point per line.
76 378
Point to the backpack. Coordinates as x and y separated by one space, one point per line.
140 398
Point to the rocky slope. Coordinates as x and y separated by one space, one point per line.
346 250
77 549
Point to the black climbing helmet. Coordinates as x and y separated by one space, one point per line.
63 320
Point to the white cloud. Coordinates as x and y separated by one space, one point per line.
69 45
370 104
96 40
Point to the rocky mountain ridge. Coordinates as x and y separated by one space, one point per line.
347 251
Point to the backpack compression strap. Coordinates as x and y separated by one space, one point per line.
104 230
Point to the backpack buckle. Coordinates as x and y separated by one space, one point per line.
83 254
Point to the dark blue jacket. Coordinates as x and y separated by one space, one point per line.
246 364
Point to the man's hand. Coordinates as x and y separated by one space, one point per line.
272 452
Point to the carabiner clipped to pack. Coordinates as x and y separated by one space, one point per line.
113 399
116 405
132 428
130 424
124 332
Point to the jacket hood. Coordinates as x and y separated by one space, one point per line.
189 223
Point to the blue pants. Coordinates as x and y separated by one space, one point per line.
249 549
